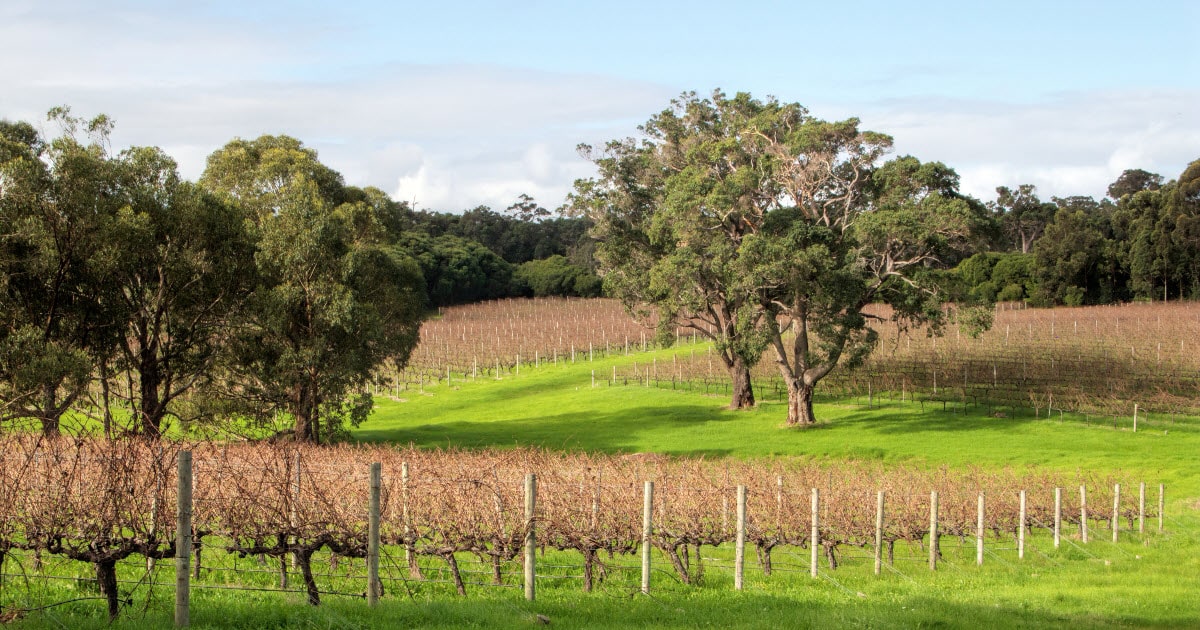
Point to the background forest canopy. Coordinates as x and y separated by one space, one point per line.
270 288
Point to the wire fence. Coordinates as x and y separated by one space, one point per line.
334 521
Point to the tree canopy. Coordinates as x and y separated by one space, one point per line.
762 226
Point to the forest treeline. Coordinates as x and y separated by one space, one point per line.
269 289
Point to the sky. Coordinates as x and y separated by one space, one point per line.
450 105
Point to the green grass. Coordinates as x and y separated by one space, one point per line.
1140 582
557 407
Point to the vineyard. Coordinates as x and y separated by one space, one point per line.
256 509
1094 360
491 339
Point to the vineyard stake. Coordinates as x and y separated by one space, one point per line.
183 539
409 556
1057 516
1083 513
815 536
878 532
1021 530
1141 508
1161 505
373 583
1116 510
739 549
933 530
530 535
294 499
647 508
979 534
779 501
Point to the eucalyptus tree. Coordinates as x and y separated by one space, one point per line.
1023 216
765 227
53 194
669 214
848 237
333 299
1162 231
177 265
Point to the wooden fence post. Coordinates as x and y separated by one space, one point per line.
647 509
183 540
1083 513
1141 508
979 534
1162 502
410 557
1116 515
1057 516
878 532
1021 530
815 536
739 550
1135 410
373 583
933 530
530 535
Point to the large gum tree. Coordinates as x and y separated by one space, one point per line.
669 213
333 298
769 228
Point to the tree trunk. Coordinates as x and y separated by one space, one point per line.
742 390
50 427
304 410
106 578
149 381
310 583
50 418
800 411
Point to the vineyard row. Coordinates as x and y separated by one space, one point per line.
101 502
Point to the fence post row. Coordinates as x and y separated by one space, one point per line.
815 537
184 511
373 583
1021 530
739 549
1116 514
933 530
979 534
530 536
647 508
1083 531
183 539
878 532
1057 516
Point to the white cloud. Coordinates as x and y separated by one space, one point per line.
1070 144
195 76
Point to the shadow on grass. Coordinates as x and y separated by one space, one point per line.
582 430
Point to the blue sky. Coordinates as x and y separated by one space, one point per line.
456 104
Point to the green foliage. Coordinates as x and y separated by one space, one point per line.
457 270
1132 181
54 316
1022 216
556 276
334 299
988 277
751 221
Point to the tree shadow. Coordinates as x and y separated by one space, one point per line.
612 432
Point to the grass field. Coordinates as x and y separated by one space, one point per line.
1139 582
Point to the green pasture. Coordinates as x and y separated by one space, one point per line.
1142 581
